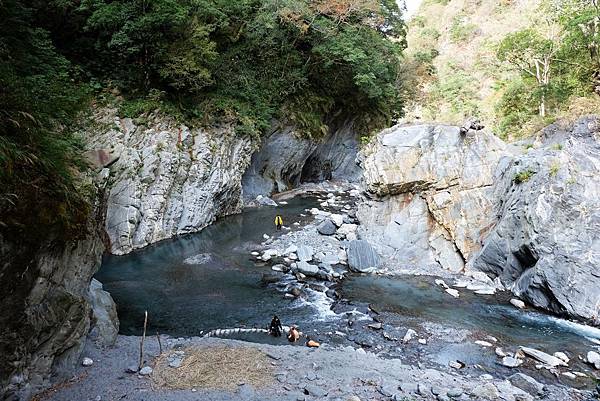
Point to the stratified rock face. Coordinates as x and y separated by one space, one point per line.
547 240
432 186
277 165
168 179
105 321
44 309
286 159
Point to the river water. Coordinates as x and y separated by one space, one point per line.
204 281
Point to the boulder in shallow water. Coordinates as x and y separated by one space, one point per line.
510 362
517 303
265 201
326 227
547 359
306 268
362 257
593 358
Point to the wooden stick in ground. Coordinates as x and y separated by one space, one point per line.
159 343
142 341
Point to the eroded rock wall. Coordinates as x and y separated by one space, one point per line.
527 213
546 243
165 178
46 307
285 159
431 193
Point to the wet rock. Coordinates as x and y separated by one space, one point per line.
307 268
562 356
270 278
517 303
326 227
511 362
87 361
265 201
296 292
593 358
362 257
543 357
410 334
145 371
526 383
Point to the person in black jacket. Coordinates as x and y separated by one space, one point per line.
275 328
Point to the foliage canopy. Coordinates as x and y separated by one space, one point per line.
250 62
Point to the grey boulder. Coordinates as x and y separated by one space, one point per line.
362 257
327 227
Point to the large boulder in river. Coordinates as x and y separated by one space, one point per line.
432 193
327 227
546 243
362 257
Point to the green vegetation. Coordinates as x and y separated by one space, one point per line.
461 30
557 61
554 168
247 62
523 176
38 152
456 90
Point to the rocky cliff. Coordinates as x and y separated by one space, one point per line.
546 241
165 178
463 200
48 307
432 189
285 159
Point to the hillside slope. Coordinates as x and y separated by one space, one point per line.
453 44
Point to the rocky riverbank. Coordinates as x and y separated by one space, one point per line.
297 373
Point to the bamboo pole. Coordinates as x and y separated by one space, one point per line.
159 343
142 340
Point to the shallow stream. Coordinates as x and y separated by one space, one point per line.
204 281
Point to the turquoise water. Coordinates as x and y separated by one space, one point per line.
223 290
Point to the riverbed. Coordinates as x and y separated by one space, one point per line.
196 283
